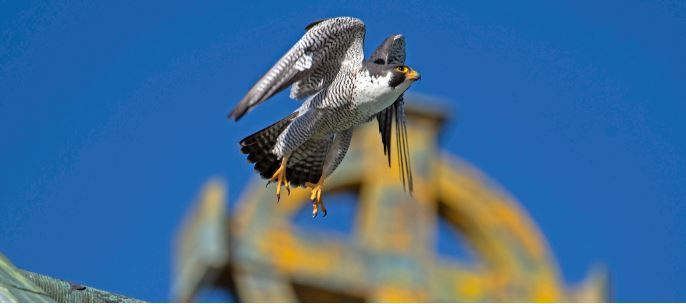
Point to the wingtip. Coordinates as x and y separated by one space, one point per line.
235 114
231 116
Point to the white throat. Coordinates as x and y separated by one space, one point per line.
373 94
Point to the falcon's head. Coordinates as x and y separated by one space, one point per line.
390 57
400 73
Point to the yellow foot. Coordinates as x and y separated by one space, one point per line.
316 197
280 178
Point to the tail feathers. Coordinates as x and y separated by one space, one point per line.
259 145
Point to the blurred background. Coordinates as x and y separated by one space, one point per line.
113 118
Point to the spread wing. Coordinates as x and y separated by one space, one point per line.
327 47
392 51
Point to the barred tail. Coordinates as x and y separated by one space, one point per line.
259 145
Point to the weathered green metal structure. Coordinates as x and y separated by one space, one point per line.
22 286
259 255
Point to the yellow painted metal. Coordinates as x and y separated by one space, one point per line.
202 244
390 256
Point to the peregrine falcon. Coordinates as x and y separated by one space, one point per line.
340 90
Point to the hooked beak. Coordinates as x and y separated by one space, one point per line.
413 75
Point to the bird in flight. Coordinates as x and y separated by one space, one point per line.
340 90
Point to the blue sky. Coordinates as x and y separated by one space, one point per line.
113 115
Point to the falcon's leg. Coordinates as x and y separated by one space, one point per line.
295 134
316 197
280 178
336 153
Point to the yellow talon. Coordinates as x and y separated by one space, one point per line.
280 178
316 197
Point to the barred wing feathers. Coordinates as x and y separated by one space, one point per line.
321 51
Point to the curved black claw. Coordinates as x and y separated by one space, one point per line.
315 208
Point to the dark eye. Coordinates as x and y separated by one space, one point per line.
401 69
380 61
